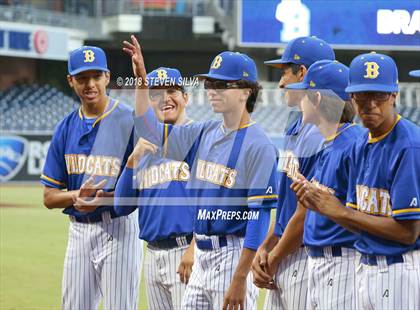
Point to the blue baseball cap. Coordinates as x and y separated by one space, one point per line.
325 74
373 72
304 51
232 66
414 73
164 77
87 58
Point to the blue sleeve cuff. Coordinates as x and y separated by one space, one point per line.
256 230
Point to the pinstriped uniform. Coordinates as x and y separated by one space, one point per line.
212 275
396 286
292 283
102 260
164 288
332 280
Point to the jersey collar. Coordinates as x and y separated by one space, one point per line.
377 139
226 131
341 129
110 107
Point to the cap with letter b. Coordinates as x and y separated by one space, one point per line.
304 51
164 77
373 72
232 66
87 58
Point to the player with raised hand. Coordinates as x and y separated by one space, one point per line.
330 247
233 174
87 152
303 141
384 190
165 218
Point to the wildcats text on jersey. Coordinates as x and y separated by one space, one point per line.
93 164
163 173
375 201
216 173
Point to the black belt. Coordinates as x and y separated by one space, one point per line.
93 218
170 243
316 251
207 244
373 259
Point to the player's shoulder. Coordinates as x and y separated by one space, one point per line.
406 134
68 121
121 109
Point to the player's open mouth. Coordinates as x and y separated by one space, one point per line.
167 108
90 94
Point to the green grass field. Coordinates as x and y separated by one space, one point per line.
33 240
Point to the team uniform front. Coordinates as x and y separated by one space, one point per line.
165 221
332 257
103 255
233 174
386 184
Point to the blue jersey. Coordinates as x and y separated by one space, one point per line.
164 206
233 172
302 144
386 183
77 152
332 172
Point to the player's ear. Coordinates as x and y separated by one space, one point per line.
108 77
70 80
302 72
186 97
317 101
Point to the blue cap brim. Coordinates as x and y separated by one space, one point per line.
414 73
300 85
82 69
371 87
215 76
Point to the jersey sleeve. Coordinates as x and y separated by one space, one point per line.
262 177
125 191
405 187
351 199
54 173
175 140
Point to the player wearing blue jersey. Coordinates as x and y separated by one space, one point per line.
298 155
330 247
233 175
83 163
165 218
384 191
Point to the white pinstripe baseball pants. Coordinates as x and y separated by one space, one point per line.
393 287
332 280
102 260
212 274
292 284
163 286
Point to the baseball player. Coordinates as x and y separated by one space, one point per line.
384 190
167 226
303 141
332 257
233 175
87 152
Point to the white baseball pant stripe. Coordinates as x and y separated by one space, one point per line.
390 287
163 286
292 283
332 280
212 275
103 260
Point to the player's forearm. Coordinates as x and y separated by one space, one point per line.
271 240
58 199
142 99
405 232
244 265
292 238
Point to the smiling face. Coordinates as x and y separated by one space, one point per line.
226 96
168 103
90 86
375 109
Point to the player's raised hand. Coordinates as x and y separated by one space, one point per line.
185 267
133 49
142 147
